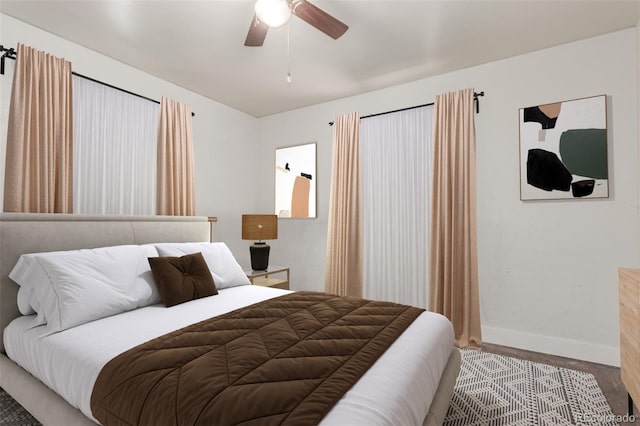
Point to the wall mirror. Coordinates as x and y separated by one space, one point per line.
296 181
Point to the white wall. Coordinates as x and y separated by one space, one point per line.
548 270
222 135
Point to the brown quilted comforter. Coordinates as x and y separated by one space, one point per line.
284 361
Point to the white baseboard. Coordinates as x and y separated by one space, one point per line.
585 351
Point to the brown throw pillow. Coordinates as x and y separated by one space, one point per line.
180 279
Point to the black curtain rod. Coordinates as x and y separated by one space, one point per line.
475 99
11 54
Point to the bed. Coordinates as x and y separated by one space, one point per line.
31 233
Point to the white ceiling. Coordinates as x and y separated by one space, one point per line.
199 45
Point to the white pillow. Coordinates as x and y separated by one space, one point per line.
24 273
223 266
70 288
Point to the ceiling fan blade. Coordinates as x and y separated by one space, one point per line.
318 18
257 33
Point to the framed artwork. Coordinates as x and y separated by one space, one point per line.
563 150
296 181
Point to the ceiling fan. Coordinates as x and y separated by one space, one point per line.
275 13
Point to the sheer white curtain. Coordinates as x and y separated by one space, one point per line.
115 137
396 166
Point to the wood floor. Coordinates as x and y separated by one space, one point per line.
608 377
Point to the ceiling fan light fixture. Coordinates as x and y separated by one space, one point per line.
274 13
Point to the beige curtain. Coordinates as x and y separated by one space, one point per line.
343 273
453 284
175 193
39 156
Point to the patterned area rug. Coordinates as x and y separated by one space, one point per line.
12 413
491 390
498 390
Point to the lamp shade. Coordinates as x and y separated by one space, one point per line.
259 227
274 13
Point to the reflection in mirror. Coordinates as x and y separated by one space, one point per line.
296 181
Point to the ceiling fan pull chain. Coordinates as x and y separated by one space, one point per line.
288 53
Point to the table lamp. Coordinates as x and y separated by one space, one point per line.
259 227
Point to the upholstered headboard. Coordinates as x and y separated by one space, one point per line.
31 233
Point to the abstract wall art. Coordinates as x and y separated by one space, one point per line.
296 181
563 150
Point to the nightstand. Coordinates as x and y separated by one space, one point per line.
264 278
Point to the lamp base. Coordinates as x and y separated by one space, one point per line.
259 256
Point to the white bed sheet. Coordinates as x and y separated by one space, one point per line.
397 390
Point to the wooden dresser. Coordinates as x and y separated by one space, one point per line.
629 290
